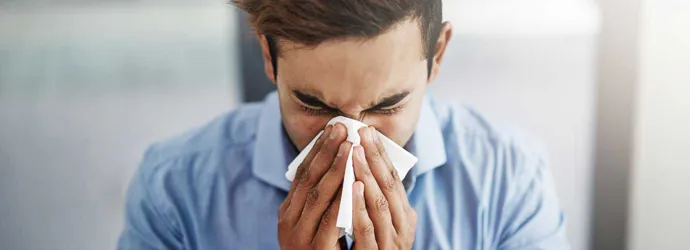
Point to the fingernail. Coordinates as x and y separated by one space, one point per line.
327 131
367 135
341 151
360 188
374 135
333 133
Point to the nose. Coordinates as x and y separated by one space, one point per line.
364 118
359 116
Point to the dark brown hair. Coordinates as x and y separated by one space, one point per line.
311 22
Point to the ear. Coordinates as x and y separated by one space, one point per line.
265 51
441 45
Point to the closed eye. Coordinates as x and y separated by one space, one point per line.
390 101
310 100
314 106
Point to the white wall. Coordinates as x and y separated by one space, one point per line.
532 64
660 198
83 90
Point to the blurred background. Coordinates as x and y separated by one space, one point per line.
86 85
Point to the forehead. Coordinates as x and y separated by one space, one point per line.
368 68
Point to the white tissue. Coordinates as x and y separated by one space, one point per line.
401 159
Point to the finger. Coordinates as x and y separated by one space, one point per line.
327 234
303 166
386 176
394 172
363 226
325 157
315 170
321 195
383 165
378 207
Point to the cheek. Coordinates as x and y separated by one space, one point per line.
303 128
300 127
399 127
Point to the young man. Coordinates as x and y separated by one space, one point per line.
223 186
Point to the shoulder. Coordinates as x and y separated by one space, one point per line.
235 128
508 175
470 130
491 153
177 166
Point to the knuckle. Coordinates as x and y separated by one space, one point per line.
377 155
398 243
362 209
327 219
367 172
395 175
306 241
300 239
283 207
390 183
313 195
300 170
283 224
304 177
368 228
382 204
334 166
379 147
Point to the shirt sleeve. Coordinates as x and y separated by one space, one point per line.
146 227
534 219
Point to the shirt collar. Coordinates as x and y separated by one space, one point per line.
272 150
427 142
272 153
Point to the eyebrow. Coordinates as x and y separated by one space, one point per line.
383 103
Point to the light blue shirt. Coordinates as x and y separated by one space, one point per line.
476 186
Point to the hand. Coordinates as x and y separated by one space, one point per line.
383 217
307 217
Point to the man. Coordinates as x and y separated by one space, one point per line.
223 186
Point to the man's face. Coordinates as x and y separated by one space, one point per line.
379 81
